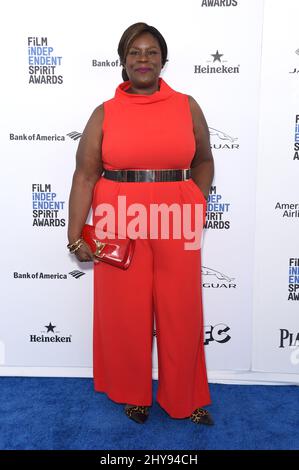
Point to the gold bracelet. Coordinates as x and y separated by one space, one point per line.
71 245
76 248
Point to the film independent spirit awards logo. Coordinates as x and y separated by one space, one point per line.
43 62
293 279
47 209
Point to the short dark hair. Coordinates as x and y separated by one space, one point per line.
128 37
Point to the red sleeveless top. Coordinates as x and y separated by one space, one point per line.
147 131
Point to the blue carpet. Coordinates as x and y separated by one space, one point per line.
66 413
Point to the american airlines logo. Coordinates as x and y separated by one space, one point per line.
74 135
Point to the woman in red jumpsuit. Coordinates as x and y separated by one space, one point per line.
147 125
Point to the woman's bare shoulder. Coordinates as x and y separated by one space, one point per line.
98 112
194 106
95 120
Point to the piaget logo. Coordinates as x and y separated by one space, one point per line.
288 339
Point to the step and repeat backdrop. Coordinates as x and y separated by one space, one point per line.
240 61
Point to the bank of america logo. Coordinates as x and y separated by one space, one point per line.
76 273
74 135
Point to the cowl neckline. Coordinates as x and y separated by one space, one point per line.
164 92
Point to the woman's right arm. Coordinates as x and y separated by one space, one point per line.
88 169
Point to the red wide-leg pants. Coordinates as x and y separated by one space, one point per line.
164 280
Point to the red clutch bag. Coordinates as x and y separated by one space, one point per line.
113 250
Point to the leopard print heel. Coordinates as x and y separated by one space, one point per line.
138 413
201 416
